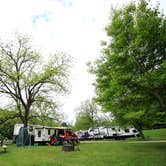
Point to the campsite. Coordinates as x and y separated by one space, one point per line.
83 83
93 153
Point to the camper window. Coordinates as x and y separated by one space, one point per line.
39 133
55 133
30 128
134 131
127 130
49 132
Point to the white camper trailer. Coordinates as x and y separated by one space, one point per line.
126 133
43 134
40 134
94 133
108 132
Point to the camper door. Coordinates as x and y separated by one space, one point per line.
39 135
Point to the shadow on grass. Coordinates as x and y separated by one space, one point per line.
2 152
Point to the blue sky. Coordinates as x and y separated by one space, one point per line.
72 26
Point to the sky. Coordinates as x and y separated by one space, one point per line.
75 27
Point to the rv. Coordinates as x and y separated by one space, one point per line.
110 132
82 135
95 133
127 133
45 134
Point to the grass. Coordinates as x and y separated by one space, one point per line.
103 153
93 153
156 134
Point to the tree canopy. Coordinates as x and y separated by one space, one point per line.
86 115
26 80
130 74
89 115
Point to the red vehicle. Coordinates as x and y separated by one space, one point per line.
62 135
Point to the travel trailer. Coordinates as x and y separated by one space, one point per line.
82 134
45 134
126 133
109 132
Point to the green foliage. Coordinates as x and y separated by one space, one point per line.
45 112
89 115
130 75
7 122
86 115
25 80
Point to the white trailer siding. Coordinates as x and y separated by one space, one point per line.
43 134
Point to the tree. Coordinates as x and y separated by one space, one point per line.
7 121
105 119
25 80
45 112
130 75
86 115
89 115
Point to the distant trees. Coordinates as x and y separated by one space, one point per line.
25 80
130 75
88 115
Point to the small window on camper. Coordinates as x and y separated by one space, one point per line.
30 128
113 128
134 131
127 130
55 132
49 131
39 133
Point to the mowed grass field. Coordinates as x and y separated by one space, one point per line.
103 153
92 153
156 134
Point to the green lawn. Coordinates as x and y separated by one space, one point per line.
104 153
98 153
157 134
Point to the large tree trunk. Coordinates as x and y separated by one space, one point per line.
138 126
26 116
25 121
141 134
